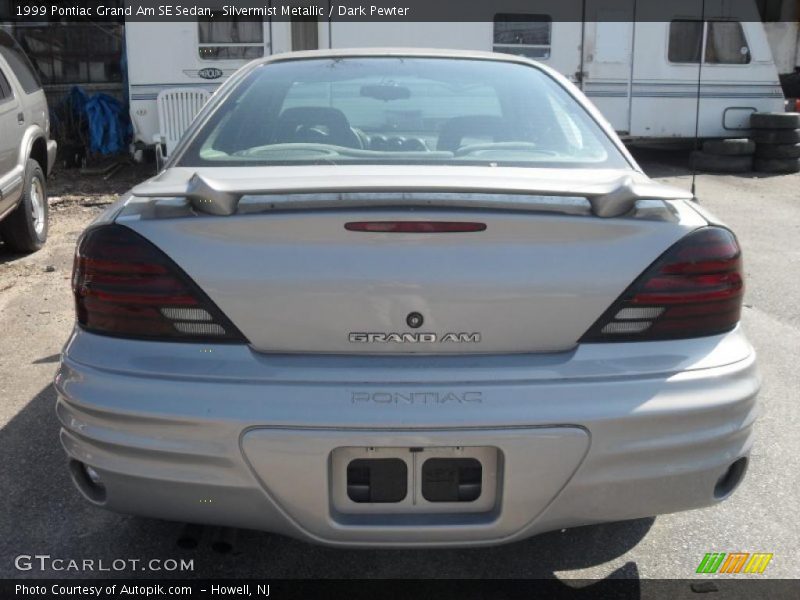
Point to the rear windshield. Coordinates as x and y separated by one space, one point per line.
401 111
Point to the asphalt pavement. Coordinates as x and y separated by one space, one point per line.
41 512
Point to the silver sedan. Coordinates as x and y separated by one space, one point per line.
405 298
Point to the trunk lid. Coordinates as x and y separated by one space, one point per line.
295 280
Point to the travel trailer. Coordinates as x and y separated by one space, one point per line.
671 79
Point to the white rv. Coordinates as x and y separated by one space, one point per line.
643 76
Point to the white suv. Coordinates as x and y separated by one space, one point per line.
26 154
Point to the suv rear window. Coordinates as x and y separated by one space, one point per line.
19 63
5 88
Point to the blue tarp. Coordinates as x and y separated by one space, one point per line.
106 119
107 131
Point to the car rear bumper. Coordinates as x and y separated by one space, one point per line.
223 435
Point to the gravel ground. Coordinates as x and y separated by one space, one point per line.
40 512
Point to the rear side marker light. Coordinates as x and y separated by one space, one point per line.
125 286
694 289
414 226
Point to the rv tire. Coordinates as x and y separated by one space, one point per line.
733 147
777 165
721 164
775 120
776 136
778 151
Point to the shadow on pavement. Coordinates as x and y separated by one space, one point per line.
7 256
42 513
53 358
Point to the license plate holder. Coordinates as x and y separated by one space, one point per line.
446 479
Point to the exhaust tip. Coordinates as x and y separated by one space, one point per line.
731 479
88 481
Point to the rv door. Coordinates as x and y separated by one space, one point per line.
606 72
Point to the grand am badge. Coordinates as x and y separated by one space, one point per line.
414 338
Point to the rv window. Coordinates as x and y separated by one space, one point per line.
685 38
523 35
234 38
726 44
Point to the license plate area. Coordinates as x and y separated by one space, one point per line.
412 480
451 479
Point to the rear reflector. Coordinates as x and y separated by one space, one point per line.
693 290
414 226
125 286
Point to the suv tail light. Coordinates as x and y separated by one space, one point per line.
125 286
693 290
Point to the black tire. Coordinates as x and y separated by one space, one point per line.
776 136
18 229
733 147
775 120
778 151
777 165
721 164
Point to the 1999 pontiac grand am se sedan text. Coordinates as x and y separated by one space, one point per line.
397 297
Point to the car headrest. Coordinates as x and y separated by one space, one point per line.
307 117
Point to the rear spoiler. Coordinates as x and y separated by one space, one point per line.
221 197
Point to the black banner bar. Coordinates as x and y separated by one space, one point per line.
441 589
372 10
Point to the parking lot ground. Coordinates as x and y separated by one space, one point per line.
41 512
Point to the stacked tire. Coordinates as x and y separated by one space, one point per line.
725 156
777 137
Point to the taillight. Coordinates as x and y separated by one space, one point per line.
125 286
694 289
